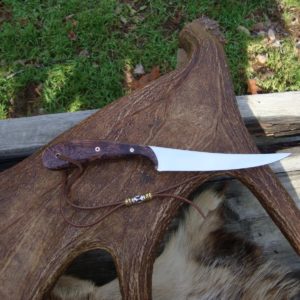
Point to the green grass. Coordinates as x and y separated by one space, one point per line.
291 2
283 66
35 47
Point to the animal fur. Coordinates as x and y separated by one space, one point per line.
201 260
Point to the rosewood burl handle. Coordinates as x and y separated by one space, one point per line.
90 150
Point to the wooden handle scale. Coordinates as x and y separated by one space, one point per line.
90 150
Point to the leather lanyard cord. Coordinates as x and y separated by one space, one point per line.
181 199
68 183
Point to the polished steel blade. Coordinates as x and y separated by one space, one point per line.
184 160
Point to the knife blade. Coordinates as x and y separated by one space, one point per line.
164 159
185 160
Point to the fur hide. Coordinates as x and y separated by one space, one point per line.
201 260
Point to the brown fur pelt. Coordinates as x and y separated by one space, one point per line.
201 260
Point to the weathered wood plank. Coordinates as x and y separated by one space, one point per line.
273 144
271 114
265 114
269 105
22 136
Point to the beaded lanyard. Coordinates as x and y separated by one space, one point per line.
137 199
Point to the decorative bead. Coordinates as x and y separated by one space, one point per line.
138 199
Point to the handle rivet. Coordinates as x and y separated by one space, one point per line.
97 149
131 150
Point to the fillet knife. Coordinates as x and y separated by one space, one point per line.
164 159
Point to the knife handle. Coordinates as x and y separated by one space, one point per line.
90 150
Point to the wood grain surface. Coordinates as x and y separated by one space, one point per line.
192 108
91 151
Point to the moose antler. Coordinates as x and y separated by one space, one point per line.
192 107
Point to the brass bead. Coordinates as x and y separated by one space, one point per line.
148 196
128 202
